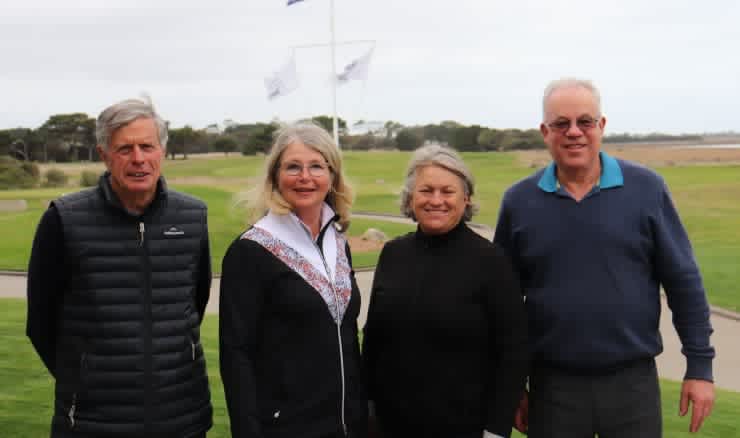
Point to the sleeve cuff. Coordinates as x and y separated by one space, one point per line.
699 368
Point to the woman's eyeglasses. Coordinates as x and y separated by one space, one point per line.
314 169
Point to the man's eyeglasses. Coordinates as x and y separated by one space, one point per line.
584 124
314 169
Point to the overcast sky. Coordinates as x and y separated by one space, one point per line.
662 65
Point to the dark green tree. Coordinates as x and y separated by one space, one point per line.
183 140
6 142
465 138
68 137
408 139
225 145
327 122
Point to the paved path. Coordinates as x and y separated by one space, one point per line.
670 364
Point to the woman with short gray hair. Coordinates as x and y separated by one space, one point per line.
445 158
445 343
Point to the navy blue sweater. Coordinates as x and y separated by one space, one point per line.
592 270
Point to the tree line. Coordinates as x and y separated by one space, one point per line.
71 137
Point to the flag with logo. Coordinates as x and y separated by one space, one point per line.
283 81
357 69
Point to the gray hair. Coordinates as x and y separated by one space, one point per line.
121 114
562 83
445 158
340 194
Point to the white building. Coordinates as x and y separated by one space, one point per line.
213 128
373 127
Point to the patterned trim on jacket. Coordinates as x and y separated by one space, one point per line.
304 268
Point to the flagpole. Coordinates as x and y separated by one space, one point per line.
333 73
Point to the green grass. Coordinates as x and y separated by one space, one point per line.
706 197
26 389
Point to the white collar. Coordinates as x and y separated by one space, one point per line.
289 229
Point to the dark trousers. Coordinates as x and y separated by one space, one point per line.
619 404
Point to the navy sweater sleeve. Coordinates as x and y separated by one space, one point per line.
45 286
502 235
681 280
239 313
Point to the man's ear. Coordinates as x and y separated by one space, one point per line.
102 154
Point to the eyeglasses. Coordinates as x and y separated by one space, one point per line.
563 125
314 169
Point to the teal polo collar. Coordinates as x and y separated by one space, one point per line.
611 175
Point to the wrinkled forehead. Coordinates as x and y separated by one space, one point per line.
571 102
137 129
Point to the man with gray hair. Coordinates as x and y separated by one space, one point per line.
594 238
118 281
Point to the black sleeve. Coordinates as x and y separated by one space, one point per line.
239 312
508 344
45 286
368 338
349 255
203 290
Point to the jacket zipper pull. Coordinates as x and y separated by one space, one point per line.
192 347
71 414
141 233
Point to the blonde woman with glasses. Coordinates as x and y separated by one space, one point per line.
290 359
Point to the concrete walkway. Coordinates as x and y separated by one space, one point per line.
671 363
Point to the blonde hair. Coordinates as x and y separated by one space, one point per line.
268 197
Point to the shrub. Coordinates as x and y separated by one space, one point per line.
55 178
31 169
88 178
17 175
250 149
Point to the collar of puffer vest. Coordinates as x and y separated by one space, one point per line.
111 198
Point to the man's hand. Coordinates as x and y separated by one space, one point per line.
521 418
700 393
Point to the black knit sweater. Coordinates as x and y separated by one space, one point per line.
445 344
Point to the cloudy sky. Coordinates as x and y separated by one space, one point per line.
662 65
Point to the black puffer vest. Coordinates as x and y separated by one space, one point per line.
130 363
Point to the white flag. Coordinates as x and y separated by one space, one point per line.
282 81
356 69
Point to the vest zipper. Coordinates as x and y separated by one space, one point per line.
146 268
141 234
73 408
71 414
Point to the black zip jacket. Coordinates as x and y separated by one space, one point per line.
280 355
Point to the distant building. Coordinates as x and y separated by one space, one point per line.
213 128
228 123
372 127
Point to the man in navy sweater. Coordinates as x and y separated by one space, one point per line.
594 238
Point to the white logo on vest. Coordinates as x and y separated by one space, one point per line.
174 231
